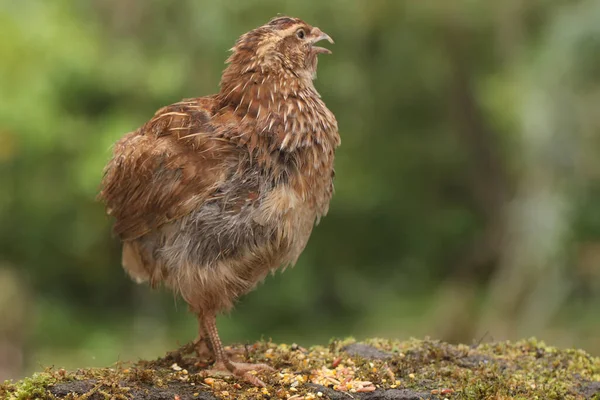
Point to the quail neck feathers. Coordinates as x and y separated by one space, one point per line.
215 192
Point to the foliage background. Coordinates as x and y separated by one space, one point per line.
467 181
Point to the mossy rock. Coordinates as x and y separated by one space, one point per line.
374 369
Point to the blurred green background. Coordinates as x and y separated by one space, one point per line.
467 191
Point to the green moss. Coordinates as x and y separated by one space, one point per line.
34 387
527 369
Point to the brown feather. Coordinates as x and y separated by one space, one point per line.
214 192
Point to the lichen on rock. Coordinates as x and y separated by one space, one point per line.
345 369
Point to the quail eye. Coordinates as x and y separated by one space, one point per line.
300 34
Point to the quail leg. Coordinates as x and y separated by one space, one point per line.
201 345
222 363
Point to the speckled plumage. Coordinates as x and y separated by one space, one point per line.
215 192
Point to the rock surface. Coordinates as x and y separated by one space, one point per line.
374 370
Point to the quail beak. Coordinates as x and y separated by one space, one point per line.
316 36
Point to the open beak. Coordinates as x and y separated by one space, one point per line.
316 36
